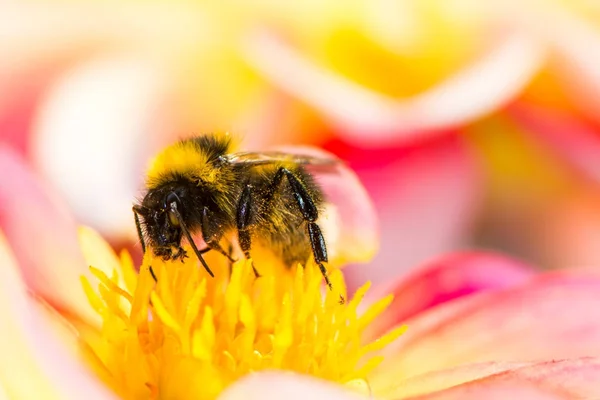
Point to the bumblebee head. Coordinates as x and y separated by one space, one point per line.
162 224
168 215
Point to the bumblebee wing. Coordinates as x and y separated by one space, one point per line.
348 220
270 157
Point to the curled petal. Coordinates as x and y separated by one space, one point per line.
289 386
35 364
446 279
488 83
552 317
42 235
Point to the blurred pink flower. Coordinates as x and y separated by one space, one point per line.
423 98
480 325
422 81
514 79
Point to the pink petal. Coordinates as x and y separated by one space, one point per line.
576 378
426 196
372 119
555 316
439 380
444 280
43 237
34 363
494 392
18 103
289 386
568 379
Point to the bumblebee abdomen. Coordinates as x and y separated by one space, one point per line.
279 222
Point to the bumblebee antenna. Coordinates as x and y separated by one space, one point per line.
186 232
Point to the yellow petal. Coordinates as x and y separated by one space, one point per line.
34 363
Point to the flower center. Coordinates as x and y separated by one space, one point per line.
189 335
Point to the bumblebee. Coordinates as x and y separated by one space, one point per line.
198 186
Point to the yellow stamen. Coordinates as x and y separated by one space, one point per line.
190 336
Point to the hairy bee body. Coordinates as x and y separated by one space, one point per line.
199 186
275 218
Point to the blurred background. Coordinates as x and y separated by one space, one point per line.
472 124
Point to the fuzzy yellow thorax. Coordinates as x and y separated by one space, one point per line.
181 158
190 335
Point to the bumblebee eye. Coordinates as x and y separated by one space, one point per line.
172 198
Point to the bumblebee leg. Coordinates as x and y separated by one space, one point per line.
181 254
216 246
229 253
212 234
152 273
138 227
186 232
243 223
310 214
